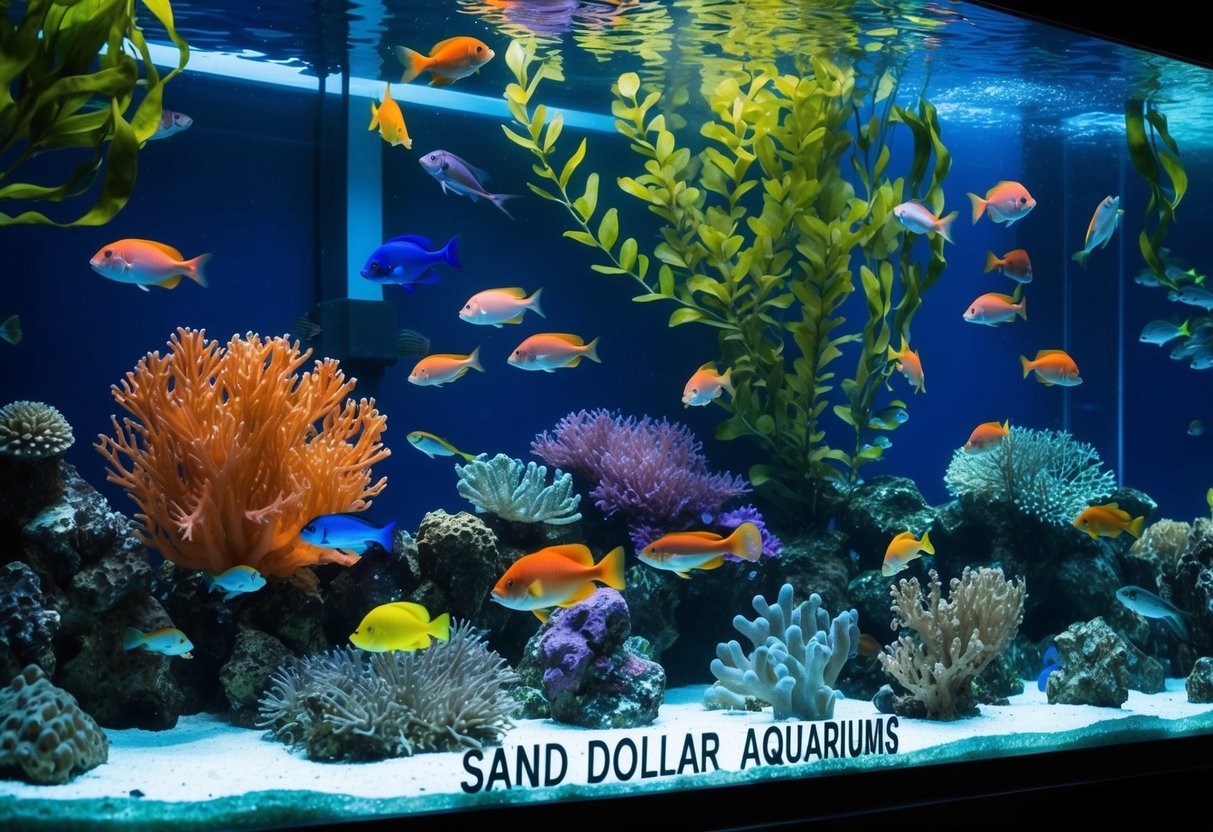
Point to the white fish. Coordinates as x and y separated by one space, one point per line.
1103 225
919 219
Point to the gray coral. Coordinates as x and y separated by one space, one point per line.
348 705
795 674
514 491
1044 473
44 735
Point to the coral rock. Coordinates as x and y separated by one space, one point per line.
44 735
246 676
1193 589
27 627
1095 667
459 553
1200 681
879 510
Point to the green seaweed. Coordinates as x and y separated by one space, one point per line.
760 233
1155 155
67 83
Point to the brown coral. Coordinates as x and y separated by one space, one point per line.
230 451
33 430
1163 542
44 735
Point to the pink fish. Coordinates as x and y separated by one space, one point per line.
995 308
146 262
494 307
1005 202
440 368
549 351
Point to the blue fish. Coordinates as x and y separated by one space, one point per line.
235 581
347 532
409 260
1051 661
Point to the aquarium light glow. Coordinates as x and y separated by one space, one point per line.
251 66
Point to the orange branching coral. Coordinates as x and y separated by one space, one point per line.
228 452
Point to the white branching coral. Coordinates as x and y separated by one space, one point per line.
956 638
1044 473
798 653
348 705
513 491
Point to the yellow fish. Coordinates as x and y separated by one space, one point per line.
433 446
401 625
1108 521
438 369
903 549
390 121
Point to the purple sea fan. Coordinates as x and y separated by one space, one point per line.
651 472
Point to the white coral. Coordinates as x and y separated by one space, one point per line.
513 491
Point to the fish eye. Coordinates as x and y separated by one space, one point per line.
433 157
109 253
375 267
509 584
1023 200
310 527
370 630
479 49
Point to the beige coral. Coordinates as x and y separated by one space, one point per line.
1163 542
229 451
957 638
33 430
43 732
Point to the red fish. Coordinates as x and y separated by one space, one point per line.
1014 264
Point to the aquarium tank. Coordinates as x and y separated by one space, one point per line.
449 409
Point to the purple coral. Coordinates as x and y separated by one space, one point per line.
651 472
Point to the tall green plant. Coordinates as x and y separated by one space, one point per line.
1155 156
762 238
67 82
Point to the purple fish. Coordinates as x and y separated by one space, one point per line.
409 260
457 176
171 123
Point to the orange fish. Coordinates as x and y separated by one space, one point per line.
549 351
994 308
448 61
868 645
909 365
1005 202
680 552
390 121
903 549
438 369
147 262
558 576
1052 367
985 436
1014 264
1108 521
707 384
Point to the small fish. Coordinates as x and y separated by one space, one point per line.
910 366
10 330
549 351
903 549
171 123
146 262
1196 428
235 581
434 446
448 61
994 308
986 436
1103 225
1050 662
458 177
495 307
1160 332
706 384
1147 604
408 341
390 120
1052 367
1005 202
401 625
889 417
868 646
409 260
440 368
1108 521
167 641
918 218
1014 264
557 576
347 532
680 552
1193 296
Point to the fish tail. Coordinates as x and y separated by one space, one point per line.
1183 329
533 303
1080 257
979 207
1023 309
1134 527
10 330
498 199
385 536
466 456
194 268
474 360
991 262
748 540
1027 365
374 116
450 253
414 62
927 545
591 351
726 380
440 627
610 568
945 225
131 639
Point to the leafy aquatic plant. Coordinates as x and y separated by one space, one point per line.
760 232
1155 155
67 82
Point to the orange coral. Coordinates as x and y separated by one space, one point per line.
230 453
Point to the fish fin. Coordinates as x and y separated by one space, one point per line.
1081 257
945 225
466 456
10 330
533 303
428 278
1046 382
927 546
535 590
580 595
414 62
415 239
904 536
195 271
591 351
979 207
991 262
1183 329
169 250
440 80
385 537
610 568
412 342
131 638
714 563
422 614
700 535
474 360
305 328
686 576
542 615
451 254
514 292
498 200
569 338
517 319
441 628
1023 307
374 116
576 552
170 282
748 538
1134 527
726 380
